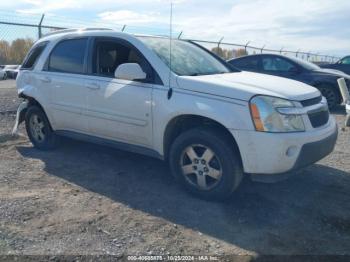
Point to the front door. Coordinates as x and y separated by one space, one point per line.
119 109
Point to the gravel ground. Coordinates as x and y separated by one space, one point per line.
84 199
8 97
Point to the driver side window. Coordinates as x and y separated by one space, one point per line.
276 64
108 55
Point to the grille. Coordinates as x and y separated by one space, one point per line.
318 119
312 101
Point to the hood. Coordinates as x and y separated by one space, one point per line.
243 85
334 72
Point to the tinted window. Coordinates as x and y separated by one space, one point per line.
345 61
68 56
248 63
276 64
108 55
33 56
305 64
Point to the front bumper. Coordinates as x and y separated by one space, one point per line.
312 152
278 153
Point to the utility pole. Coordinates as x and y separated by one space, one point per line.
39 26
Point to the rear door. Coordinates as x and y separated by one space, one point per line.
64 74
119 109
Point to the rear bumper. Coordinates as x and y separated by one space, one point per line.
278 153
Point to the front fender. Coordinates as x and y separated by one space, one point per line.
231 114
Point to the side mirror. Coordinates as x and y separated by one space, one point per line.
130 71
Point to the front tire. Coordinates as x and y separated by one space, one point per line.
205 163
39 129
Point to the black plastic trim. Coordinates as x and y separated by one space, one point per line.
315 151
312 101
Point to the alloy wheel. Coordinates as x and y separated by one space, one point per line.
37 128
201 167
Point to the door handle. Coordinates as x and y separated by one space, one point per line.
93 86
45 79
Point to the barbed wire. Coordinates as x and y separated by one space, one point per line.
14 25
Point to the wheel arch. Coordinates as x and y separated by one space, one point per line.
181 123
329 84
32 102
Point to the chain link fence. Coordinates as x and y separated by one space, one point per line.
19 31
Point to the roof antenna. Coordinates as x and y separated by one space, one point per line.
170 91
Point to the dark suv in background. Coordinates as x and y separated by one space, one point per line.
342 65
289 67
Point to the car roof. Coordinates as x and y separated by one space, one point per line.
70 33
258 55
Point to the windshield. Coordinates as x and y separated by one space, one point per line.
187 59
305 64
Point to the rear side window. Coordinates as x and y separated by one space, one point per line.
68 56
33 56
248 63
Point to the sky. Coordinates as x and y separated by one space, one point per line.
309 25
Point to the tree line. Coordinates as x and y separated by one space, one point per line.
229 54
13 53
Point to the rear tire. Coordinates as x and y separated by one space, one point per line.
39 129
205 163
331 95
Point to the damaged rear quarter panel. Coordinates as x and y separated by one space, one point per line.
31 88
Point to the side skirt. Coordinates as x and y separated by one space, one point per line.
110 143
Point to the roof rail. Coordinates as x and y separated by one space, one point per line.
76 30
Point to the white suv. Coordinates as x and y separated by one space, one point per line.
212 122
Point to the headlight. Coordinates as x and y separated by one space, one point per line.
266 118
